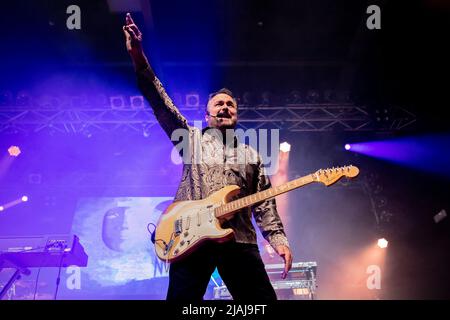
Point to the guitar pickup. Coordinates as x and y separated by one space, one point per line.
188 222
178 226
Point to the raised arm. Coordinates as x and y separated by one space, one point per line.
167 114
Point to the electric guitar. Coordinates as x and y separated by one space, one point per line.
184 225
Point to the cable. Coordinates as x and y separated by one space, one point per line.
58 279
36 283
152 225
153 236
156 240
152 233
43 261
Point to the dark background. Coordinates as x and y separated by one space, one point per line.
256 46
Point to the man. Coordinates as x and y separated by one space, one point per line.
238 261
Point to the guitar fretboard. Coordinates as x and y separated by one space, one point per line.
233 206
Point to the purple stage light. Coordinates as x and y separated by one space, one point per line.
347 146
428 153
14 151
24 198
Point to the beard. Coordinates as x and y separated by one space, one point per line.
225 123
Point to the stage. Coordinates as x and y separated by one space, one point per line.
343 103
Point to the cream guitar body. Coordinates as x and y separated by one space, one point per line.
185 225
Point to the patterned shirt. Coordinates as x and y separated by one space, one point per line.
219 167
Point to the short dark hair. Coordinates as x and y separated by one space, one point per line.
223 90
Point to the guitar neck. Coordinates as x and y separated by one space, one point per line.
233 206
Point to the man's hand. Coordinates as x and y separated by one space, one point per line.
133 38
285 253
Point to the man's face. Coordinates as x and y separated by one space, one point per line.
224 107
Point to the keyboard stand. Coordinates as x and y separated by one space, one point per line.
16 276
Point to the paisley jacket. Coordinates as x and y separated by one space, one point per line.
218 167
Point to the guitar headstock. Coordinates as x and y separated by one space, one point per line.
332 175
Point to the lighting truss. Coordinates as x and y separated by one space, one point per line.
290 117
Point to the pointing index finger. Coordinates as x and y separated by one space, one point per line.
129 19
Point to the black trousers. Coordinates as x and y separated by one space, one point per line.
240 267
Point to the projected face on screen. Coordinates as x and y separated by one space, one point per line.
122 229
115 231
114 234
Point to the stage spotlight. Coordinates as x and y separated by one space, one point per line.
285 147
192 100
99 101
44 101
312 96
266 98
344 96
137 102
294 97
87 133
117 102
440 216
383 115
330 96
6 98
386 113
347 146
301 292
55 102
23 99
14 151
382 243
34 178
2 208
24 198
